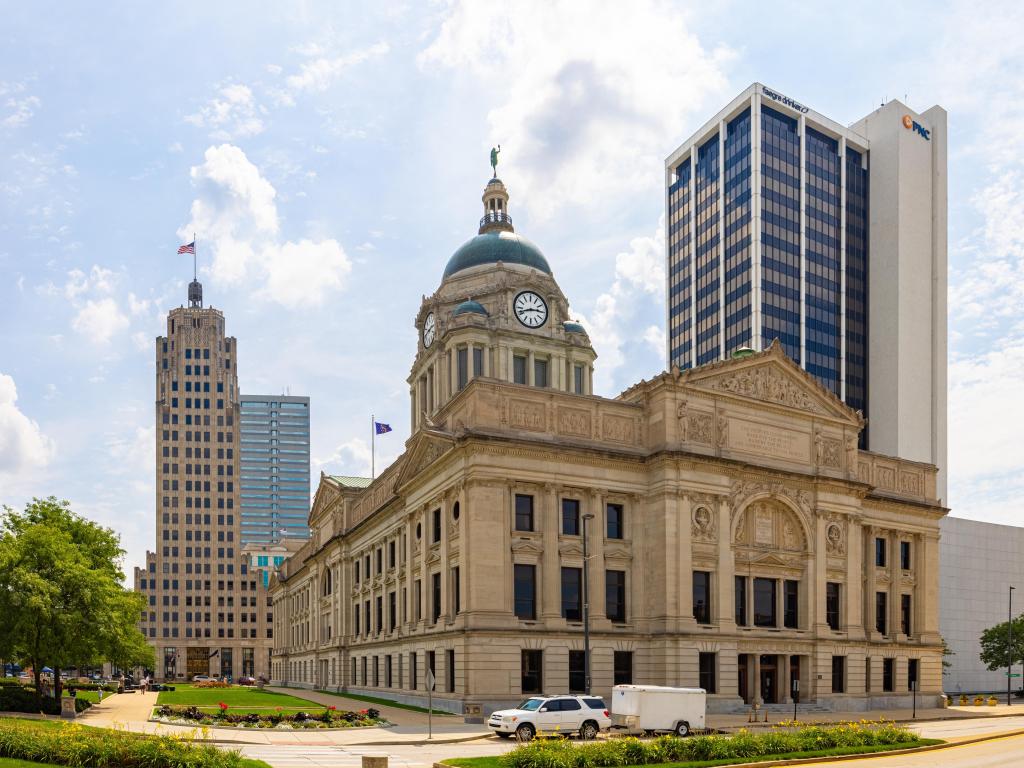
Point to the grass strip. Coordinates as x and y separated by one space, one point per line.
496 761
383 702
233 697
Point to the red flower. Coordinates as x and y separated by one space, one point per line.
223 706
363 712
332 708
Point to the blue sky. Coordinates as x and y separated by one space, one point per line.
331 157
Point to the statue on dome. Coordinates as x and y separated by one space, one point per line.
494 159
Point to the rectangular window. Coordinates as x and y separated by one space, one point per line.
519 369
616 521
905 555
532 679
436 528
911 674
702 597
387 671
764 603
456 590
867 674
478 361
526 591
449 669
791 604
413 682
905 614
391 554
615 595
571 517
623 668
832 604
741 601
524 512
577 379
435 590
462 356
707 672
888 670
572 603
376 672
380 613
838 674
577 671
417 597
540 373
881 611
432 666
392 611
880 552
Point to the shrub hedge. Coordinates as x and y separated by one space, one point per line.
327 718
22 699
108 687
783 739
82 747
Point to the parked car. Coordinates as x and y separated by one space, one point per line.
246 680
201 678
652 708
552 714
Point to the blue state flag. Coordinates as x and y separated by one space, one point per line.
381 428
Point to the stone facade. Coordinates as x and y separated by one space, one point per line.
737 538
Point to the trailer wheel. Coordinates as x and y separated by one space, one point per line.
682 728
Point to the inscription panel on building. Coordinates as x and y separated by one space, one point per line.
776 442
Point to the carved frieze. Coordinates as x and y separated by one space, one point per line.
768 385
704 526
700 427
910 482
524 414
618 428
828 451
835 539
574 422
885 478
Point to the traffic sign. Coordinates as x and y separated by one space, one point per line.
1013 674
430 680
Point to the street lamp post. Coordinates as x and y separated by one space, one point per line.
586 609
1009 647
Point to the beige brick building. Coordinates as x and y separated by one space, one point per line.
737 538
209 612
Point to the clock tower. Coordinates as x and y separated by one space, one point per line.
498 314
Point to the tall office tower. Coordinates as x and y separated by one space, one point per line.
785 224
208 610
274 468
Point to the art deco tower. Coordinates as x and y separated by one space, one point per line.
208 612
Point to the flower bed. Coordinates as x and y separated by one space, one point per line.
211 684
331 717
783 739
76 745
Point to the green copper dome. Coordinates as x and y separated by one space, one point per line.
469 307
492 247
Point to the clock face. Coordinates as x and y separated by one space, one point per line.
428 330
530 309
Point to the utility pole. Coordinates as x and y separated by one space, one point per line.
1009 647
586 608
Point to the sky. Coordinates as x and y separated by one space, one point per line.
330 157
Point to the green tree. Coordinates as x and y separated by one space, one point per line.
62 594
995 645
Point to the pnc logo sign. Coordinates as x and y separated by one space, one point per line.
912 125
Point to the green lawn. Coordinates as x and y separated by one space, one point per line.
495 761
236 696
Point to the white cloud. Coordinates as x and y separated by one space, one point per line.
21 110
99 321
353 458
588 104
321 72
236 216
23 445
231 114
623 314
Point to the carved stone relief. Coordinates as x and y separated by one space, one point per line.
835 539
769 385
770 525
723 431
704 526
618 428
829 451
526 415
700 428
574 421
885 478
910 482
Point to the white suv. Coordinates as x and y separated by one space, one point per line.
552 714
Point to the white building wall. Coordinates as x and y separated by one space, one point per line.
977 564
907 284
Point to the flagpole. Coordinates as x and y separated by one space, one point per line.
373 447
195 270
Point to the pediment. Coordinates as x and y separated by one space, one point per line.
770 377
425 447
326 493
570 548
525 546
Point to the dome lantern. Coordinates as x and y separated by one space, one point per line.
495 199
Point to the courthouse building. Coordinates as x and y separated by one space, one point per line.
738 539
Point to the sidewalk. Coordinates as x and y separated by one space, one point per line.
395 715
733 722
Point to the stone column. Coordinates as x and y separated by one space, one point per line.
530 369
813 581
893 563
853 601
870 583
551 572
725 613
424 606
446 577
684 556
754 664
927 591
784 679
464 569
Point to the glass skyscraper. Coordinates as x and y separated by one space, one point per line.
274 473
767 239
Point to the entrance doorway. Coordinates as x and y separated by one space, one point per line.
197 662
743 688
769 679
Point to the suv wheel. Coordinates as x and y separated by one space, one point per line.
682 729
589 730
525 732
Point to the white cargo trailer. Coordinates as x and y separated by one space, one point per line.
658 708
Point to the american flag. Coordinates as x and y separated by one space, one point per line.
190 248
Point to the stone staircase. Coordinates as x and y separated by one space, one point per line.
782 711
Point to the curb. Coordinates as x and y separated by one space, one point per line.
862 755
910 721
